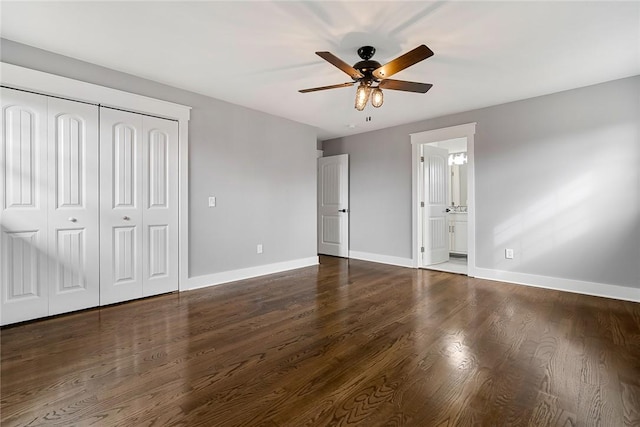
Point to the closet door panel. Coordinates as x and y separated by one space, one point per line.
73 206
160 203
121 227
23 218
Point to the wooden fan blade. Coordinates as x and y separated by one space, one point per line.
313 89
405 86
414 56
334 60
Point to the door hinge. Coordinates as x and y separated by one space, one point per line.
422 249
422 159
422 204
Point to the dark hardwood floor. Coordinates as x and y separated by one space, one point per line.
343 344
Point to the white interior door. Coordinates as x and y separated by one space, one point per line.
160 203
121 190
23 193
333 205
73 206
435 186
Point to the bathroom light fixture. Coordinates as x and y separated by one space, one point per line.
457 159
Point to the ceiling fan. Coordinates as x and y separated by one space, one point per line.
374 77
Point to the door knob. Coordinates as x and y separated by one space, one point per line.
72 219
342 210
126 218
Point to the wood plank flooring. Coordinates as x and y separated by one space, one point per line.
346 343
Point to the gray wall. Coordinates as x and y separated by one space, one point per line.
261 168
557 179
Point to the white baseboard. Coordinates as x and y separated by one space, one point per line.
247 273
559 284
382 259
567 285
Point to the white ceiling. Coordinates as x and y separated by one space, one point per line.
258 54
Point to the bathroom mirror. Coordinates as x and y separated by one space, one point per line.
458 187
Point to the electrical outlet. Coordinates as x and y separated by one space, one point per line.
508 253
212 202
259 249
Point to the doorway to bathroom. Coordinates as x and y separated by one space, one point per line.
443 197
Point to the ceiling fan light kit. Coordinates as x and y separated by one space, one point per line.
369 72
362 95
377 98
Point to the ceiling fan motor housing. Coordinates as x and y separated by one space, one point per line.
367 65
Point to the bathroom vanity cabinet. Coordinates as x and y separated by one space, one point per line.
458 232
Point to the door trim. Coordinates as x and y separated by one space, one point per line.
468 131
22 78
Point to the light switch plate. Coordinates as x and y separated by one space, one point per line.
259 249
212 202
508 253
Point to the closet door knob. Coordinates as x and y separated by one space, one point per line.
126 218
72 219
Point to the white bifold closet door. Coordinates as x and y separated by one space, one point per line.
138 205
49 218
73 206
23 222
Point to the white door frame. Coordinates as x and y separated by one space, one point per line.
50 84
417 139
